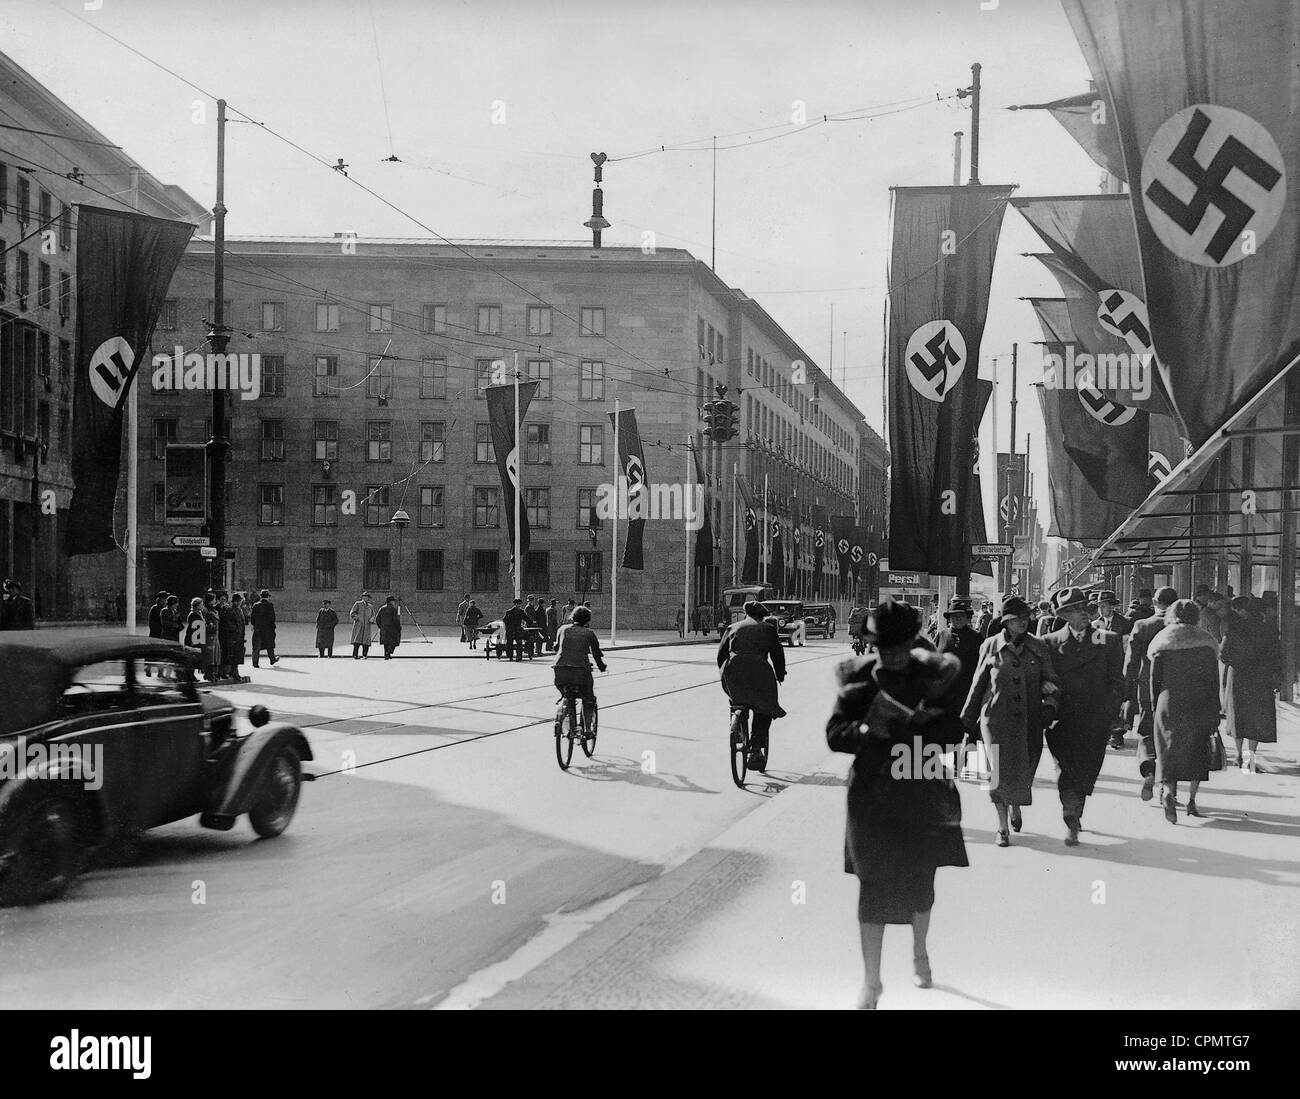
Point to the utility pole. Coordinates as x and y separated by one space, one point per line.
218 341
963 566
133 470
713 259
956 158
975 123
596 223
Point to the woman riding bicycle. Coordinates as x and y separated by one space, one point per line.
749 681
572 668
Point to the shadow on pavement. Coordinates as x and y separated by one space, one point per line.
603 768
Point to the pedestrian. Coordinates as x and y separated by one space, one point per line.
362 615
1137 680
743 655
1212 616
120 605
1090 664
461 608
212 639
389 623
958 638
110 606
473 616
263 616
1109 618
171 620
539 624
1185 696
326 619
196 629
695 620
515 620
895 704
1144 608
569 607
233 644
155 614
531 634
1011 700
552 626
680 621
1252 655
17 612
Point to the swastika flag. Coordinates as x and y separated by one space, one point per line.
1204 99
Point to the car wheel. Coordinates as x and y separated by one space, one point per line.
278 798
44 854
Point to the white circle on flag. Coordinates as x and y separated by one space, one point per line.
1125 315
635 475
872 560
1213 184
842 545
1098 405
856 555
935 358
110 366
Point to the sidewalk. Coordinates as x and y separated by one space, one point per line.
1143 914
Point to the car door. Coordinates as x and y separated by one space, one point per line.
170 740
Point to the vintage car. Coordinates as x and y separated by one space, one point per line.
819 619
103 738
734 600
787 616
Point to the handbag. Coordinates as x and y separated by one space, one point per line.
1217 755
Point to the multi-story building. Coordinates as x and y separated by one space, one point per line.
42 180
373 358
873 493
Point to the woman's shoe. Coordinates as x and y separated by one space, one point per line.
1171 807
1016 819
1003 839
1192 810
921 976
869 996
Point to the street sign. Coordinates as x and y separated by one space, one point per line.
903 579
230 555
208 551
191 540
988 550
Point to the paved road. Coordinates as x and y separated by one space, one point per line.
441 839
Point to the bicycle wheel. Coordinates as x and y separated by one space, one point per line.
739 747
589 734
564 736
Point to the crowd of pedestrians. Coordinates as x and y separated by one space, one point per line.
527 628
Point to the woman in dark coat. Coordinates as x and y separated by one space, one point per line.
904 813
749 681
212 647
196 630
389 621
232 634
1252 656
1185 696
171 619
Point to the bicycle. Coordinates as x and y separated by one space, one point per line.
742 747
568 729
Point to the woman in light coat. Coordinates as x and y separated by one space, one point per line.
363 617
1185 700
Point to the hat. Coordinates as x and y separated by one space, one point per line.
365 595
1094 597
755 609
958 606
1107 597
1013 607
892 624
1070 599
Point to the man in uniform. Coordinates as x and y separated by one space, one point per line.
1137 678
1090 664
515 620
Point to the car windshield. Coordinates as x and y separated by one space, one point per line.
783 609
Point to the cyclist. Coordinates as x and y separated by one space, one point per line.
576 641
749 681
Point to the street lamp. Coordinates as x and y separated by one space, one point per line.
400 520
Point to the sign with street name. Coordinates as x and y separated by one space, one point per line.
988 550
190 540
208 551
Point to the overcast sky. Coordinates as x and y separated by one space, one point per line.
802 221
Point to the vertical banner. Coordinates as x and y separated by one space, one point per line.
501 423
125 263
977 531
776 568
796 561
749 570
945 239
704 536
1204 100
1088 119
842 531
858 555
819 548
186 483
631 465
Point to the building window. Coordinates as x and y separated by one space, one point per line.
164 432
483 451
591 445
379 441
324 569
485 371
376 571
435 319
381 318
378 511
159 502
749 362
167 318
325 435
433 378
537 503
46 207
539 320
272 316
379 379
489 320
588 571
538 447
591 382
326 377
591 322
586 508
324 506
486 572
539 371
432 511
24 279
433 442
65 225
270 505
272 375
272 437
487 510
537 570
327 316
270 567
43 284
428 570
24 200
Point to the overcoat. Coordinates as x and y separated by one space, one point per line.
212 646
1005 703
363 616
232 634
263 616
1137 667
964 644
1185 690
1091 672
1252 652
389 622
326 620
898 822
747 677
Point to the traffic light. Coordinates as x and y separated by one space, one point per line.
707 413
733 419
720 421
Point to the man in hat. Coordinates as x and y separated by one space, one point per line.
1090 664
1109 618
16 610
327 618
461 608
155 614
958 638
515 620
263 618
1137 679
1144 607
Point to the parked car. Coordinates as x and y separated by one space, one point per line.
734 600
787 616
819 619
104 738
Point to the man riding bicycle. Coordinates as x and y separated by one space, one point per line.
743 656
576 641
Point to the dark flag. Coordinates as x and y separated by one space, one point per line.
749 570
501 419
796 554
1204 99
1107 441
1087 119
977 531
776 566
842 531
125 263
942 262
631 464
1167 448
858 554
704 536
819 549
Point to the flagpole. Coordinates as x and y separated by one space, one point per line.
519 489
765 530
686 510
613 568
132 466
735 573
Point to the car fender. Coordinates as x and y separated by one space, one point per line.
247 770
